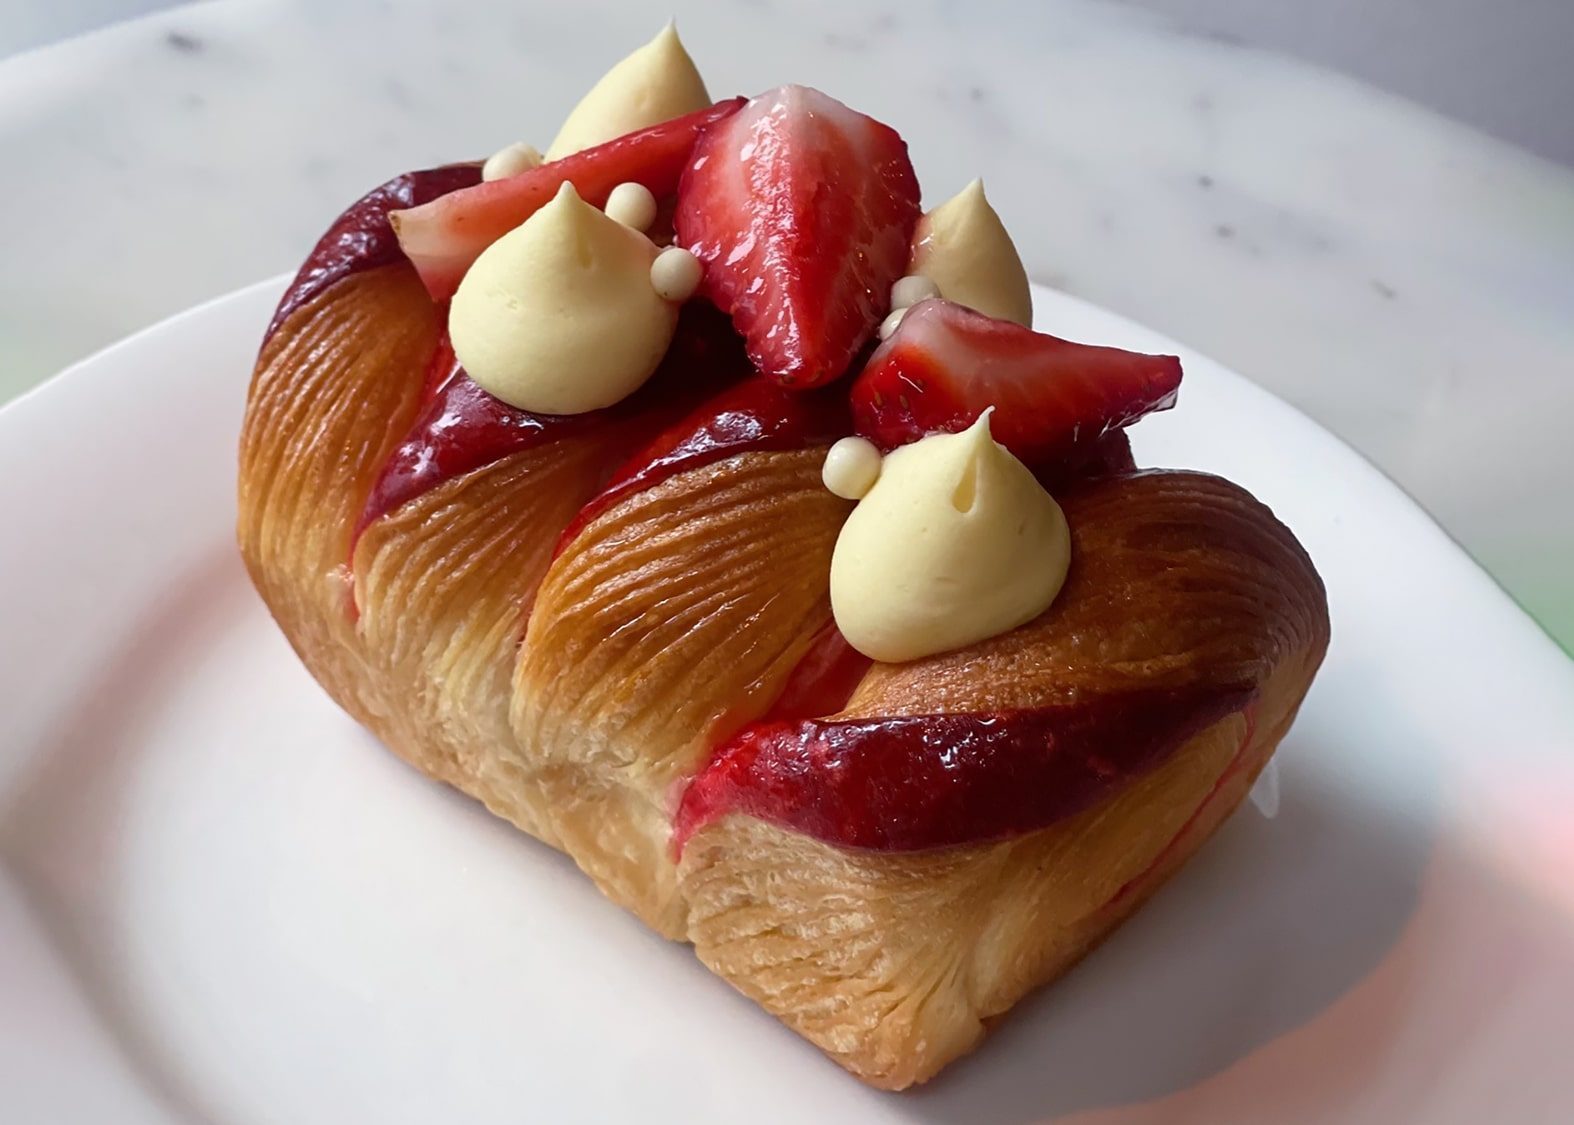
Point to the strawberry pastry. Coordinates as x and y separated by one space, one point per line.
700 503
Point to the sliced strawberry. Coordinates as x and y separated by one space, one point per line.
444 236
1054 399
802 211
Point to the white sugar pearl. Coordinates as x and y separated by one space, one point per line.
632 205
888 325
510 161
851 467
675 274
911 289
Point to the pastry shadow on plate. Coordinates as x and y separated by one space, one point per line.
1271 924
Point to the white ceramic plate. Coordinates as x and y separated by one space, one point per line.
222 901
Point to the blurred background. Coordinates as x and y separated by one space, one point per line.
1501 65
1367 207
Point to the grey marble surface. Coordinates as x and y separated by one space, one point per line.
1501 65
1405 280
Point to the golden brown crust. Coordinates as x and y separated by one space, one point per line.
670 620
573 695
895 964
1177 579
332 393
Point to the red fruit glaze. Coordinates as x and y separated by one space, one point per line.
444 236
362 237
1109 456
1236 764
441 369
463 428
911 782
756 414
802 211
822 681
946 364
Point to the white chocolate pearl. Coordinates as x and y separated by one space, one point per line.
911 289
888 325
510 161
675 274
632 205
851 467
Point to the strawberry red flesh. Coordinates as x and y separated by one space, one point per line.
1054 399
444 236
802 211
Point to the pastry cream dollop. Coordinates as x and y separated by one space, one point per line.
962 246
656 83
558 316
956 542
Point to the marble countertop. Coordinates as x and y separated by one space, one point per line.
1404 280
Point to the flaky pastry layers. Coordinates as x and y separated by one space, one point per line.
574 695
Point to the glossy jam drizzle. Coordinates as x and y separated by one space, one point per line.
823 680
362 238
756 414
1107 456
1237 763
462 428
910 782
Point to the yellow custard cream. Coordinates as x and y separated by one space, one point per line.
558 316
962 246
656 83
956 542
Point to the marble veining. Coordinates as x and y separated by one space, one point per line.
1406 281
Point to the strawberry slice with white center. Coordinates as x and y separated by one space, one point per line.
444 236
946 364
801 210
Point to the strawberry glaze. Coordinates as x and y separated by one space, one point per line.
909 782
362 238
462 428
1237 763
823 680
756 414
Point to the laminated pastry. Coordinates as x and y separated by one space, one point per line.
590 584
